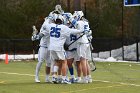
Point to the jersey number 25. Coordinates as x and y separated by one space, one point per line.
55 32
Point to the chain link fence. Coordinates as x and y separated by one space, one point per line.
18 47
103 47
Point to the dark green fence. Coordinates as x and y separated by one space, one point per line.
26 46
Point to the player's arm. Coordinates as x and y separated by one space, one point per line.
89 35
37 37
43 31
75 31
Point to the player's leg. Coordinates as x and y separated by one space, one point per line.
59 78
62 59
47 69
55 71
70 61
88 73
81 51
41 54
54 66
64 71
88 53
79 71
71 69
84 69
48 66
70 66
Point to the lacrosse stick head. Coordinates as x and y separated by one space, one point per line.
92 66
35 31
59 9
33 27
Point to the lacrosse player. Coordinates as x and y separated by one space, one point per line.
71 51
43 53
88 51
58 10
82 46
86 42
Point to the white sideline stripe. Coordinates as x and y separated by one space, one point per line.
119 83
92 88
122 83
2 82
17 74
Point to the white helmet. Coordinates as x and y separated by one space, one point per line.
66 16
58 16
78 15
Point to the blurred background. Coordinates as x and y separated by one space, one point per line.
113 25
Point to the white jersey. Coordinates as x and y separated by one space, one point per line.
70 39
44 42
58 35
82 25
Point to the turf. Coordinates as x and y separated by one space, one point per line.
110 77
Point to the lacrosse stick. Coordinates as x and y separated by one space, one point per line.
35 31
66 47
59 9
92 63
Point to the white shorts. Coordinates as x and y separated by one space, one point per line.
44 55
71 54
82 51
88 53
57 55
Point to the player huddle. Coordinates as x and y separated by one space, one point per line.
64 42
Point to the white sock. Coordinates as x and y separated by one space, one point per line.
47 77
55 69
53 76
72 76
85 78
59 76
63 77
89 76
79 78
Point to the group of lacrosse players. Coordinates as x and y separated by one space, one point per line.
65 46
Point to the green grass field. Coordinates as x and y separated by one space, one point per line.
18 77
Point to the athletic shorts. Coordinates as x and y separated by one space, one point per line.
44 55
82 51
71 54
88 53
57 55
